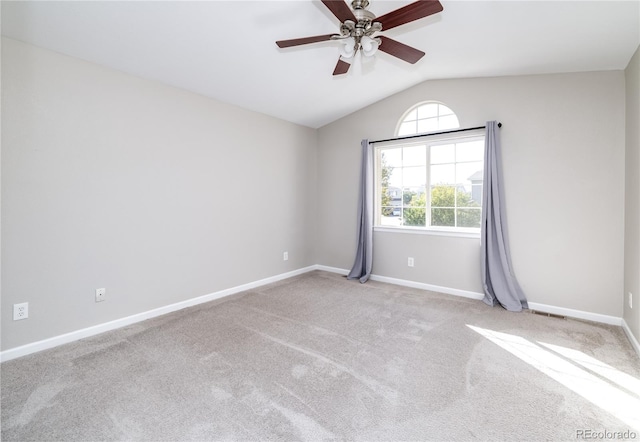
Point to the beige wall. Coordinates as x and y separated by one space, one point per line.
155 193
563 154
632 197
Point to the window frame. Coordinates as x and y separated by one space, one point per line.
428 140
437 118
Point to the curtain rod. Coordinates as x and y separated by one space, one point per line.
431 133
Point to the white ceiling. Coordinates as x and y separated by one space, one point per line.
226 49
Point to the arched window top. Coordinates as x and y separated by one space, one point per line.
427 117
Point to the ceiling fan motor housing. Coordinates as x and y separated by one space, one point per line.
365 24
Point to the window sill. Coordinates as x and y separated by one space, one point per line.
434 232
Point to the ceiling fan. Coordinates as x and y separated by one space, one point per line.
357 26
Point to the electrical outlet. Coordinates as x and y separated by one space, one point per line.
630 300
20 311
285 256
101 295
410 262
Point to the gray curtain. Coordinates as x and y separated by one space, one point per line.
364 254
500 285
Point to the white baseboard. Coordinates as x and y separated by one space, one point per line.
66 338
431 287
331 269
576 314
407 283
634 342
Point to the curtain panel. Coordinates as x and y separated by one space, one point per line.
364 254
499 283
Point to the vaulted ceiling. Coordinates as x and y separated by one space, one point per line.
226 49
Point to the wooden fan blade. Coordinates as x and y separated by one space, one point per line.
303 41
409 13
342 67
400 50
340 9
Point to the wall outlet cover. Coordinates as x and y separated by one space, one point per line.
20 311
101 294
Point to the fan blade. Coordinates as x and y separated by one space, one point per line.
342 67
341 10
409 13
303 41
400 50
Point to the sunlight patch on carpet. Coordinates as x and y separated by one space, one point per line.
621 400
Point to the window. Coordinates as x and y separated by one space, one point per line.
428 117
433 182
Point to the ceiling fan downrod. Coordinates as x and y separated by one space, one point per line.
359 4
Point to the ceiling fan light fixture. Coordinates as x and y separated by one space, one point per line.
369 45
348 47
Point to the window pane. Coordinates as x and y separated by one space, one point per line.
387 197
469 217
411 115
391 220
448 122
470 151
476 194
414 177
386 210
428 125
414 156
444 153
395 178
428 110
467 173
391 157
408 128
394 193
443 196
414 216
444 110
443 174
415 197
464 198
443 217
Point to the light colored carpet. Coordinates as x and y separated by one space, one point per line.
317 357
